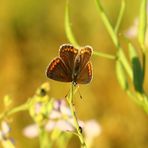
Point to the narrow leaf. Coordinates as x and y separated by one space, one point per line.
142 23
137 69
124 61
121 75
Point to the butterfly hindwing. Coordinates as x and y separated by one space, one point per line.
85 75
58 71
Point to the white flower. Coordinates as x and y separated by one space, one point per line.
31 131
62 125
61 118
133 30
91 130
5 130
5 138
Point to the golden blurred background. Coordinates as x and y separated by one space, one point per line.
30 35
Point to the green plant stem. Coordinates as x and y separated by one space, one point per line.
120 16
142 23
76 124
125 63
145 102
142 30
120 54
107 23
43 137
14 110
143 63
68 30
105 55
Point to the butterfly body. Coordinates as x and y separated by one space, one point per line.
72 65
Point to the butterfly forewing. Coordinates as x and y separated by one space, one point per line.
85 75
58 71
68 54
85 54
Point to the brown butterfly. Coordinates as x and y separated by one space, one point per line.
72 65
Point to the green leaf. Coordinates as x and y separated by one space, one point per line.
68 29
142 23
136 68
121 75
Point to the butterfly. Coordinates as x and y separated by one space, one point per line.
72 65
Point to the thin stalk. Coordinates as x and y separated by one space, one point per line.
143 49
104 55
120 16
76 124
14 110
142 23
144 64
125 63
43 138
68 29
107 23
114 38
142 30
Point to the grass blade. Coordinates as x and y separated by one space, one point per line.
142 23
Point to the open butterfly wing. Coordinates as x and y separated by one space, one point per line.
72 65
58 71
68 54
85 75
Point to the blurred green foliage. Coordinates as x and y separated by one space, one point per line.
30 35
